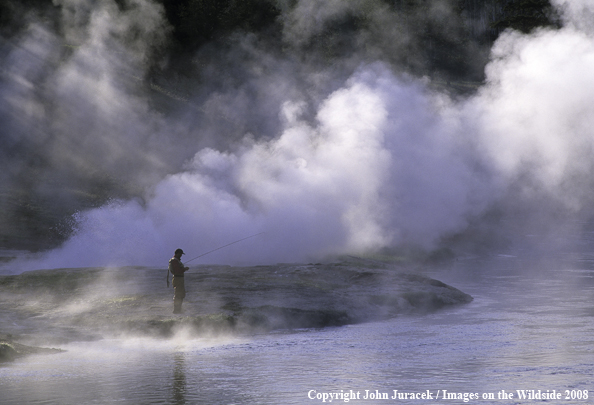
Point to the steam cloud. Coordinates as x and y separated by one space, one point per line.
337 160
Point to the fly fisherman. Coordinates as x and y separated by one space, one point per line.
177 268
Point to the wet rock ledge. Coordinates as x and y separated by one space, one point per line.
57 306
10 350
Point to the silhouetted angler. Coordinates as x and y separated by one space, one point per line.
177 268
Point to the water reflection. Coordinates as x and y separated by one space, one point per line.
179 379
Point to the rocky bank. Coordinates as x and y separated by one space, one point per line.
49 307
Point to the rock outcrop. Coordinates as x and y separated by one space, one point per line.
10 350
77 304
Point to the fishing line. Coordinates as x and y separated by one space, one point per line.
229 244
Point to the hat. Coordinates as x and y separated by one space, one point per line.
179 252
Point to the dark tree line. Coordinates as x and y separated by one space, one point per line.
525 15
196 22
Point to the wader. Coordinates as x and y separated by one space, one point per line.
179 293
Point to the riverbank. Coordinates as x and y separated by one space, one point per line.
10 350
49 307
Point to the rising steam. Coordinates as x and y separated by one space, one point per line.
347 160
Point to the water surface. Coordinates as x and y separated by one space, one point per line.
528 328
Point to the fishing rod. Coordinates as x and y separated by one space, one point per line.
229 244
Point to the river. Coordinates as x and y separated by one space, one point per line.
528 333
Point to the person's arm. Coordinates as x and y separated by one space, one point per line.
177 268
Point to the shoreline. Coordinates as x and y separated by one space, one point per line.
53 307
11 350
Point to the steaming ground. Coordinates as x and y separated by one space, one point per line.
57 307
352 158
